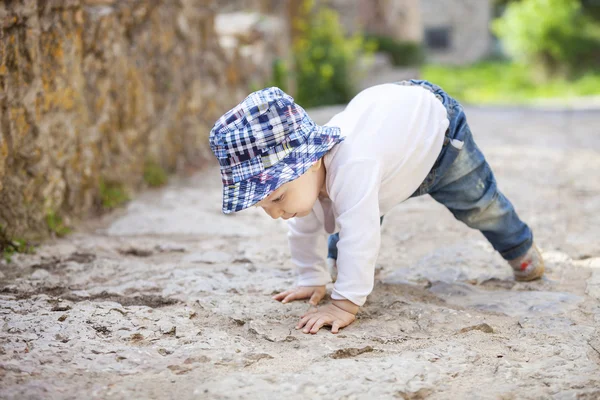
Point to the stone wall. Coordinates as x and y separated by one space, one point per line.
91 90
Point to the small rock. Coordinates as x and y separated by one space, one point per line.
62 317
243 260
178 369
81 258
350 352
199 359
255 357
61 338
171 248
481 327
163 352
136 252
136 337
267 331
418 395
40 274
102 329
168 330
61 307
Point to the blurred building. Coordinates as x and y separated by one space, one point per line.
456 31
452 31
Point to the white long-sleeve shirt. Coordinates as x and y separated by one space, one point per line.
393 135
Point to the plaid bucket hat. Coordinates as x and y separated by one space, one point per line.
263 142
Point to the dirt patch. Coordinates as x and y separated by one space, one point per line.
56 263
136 252
481 327
350 352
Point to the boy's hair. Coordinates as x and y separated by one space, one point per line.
263 142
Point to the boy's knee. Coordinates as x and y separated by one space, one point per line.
488 215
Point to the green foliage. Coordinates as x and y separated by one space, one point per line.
325 58
154 174
9 247
554 34
55 224
506 83
280 74
401 53
112 194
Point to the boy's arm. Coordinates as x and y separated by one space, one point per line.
304 234
360 233
303 237
355 193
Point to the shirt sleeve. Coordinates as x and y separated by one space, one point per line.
304 236
355 193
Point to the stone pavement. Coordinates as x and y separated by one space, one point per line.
168 298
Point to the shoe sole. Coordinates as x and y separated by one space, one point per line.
535 274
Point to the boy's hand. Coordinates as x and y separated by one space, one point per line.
338 314
315 293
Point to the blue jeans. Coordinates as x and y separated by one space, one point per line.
462 180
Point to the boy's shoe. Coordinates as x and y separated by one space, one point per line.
332 268
528 267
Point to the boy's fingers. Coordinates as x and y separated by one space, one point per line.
292 296
310 324
289 297
303 321
318 325
335 328
316 298
281 295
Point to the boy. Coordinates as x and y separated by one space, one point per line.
392 142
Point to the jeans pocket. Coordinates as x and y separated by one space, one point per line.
457 144
440 167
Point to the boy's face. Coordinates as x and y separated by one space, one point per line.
296 198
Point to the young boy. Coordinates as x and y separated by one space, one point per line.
392 142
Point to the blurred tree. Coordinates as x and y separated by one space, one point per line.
591 8
556 35
324 61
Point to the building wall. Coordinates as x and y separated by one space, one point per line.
400 19
92 89
395 18
468 22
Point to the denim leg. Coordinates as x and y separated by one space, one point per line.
462 180
468 189
333 240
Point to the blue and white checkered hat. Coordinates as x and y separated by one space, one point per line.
263 142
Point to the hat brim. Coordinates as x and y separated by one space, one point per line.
247 193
